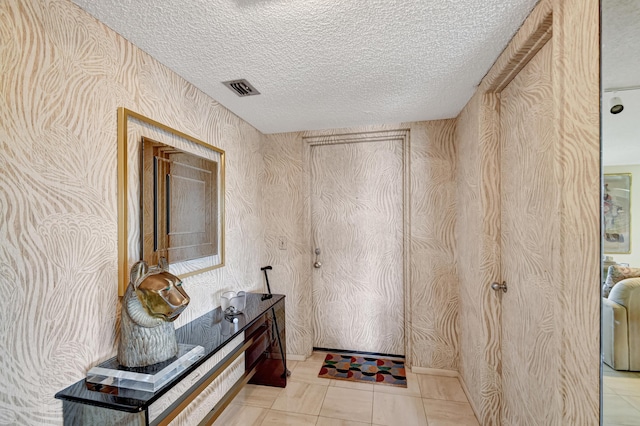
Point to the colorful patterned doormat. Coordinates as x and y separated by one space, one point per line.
364 369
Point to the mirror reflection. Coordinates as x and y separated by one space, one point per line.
179 201
620 50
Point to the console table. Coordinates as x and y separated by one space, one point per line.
259 335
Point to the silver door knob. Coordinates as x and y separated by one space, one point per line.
317 263
497 287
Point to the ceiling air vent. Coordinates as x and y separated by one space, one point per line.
241 87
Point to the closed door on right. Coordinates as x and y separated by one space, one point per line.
529 244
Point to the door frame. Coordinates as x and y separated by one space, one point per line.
401 136
576 111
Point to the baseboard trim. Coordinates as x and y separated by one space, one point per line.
361 353
469 399
293 357
465 389
449 373
434 371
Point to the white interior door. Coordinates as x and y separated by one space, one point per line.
357 224
529 240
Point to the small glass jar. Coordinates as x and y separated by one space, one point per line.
233 303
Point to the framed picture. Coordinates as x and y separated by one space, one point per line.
616 209
187 198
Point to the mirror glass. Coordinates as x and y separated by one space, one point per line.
179 201
620 84
170 198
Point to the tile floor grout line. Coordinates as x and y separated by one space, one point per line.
373 398
324 398
624 397
424 409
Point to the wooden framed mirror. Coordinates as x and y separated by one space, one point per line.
170 198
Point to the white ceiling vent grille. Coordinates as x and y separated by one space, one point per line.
241 87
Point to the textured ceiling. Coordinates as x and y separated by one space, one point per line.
620 43
621 69
324 63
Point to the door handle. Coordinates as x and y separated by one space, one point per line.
497 287
317 263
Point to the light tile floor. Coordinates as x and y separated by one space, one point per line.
620 397
310 400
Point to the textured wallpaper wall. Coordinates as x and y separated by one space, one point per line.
433 282
285 202
478 258
63 77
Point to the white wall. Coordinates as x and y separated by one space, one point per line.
620 132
